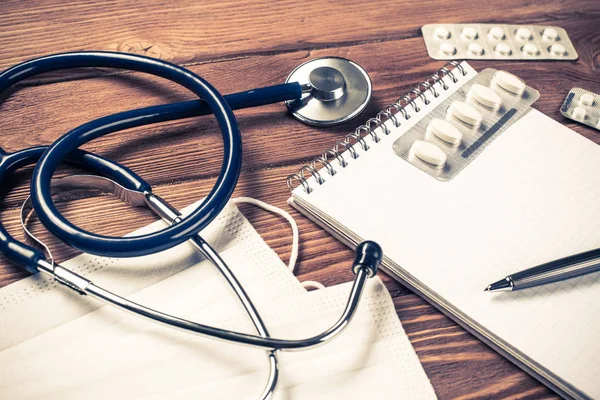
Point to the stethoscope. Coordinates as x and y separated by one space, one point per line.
320 92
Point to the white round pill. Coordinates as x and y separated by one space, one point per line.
503 49
558 49
469 32
497 33
429 153
530 49
448 49
441 32
523 34
485 96
579 113
445 131
465 113
509 82
550 34
475 49
587 99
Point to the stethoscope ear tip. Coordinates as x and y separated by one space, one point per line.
335 90
368 255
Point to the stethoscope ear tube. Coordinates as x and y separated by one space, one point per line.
368 254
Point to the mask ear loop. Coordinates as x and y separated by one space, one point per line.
295 234
27 208
91 182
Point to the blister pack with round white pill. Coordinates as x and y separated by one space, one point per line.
582 106
497 42
459 129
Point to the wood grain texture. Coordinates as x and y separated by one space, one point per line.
198 31
238 46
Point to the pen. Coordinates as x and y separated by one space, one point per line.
553 271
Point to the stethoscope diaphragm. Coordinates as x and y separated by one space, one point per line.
335 90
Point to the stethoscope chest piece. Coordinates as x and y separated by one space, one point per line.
335 91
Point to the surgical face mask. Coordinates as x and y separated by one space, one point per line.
91 352
29 300
372 359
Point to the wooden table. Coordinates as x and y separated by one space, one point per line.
238 46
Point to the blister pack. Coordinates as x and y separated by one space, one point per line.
454 133
497 42
582 106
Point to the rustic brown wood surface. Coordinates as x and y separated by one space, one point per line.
238 46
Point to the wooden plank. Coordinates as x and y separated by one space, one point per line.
190 31
38 115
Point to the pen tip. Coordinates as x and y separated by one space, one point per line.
503 285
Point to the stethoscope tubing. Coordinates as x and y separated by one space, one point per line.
152 242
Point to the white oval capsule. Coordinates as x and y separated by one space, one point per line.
429 153
448 49
441 32
579 113
509 82
558 49
469 32
485 96
475 49
503 49
530 49
550 34
497 33
523 33
587 99
445 131
465 113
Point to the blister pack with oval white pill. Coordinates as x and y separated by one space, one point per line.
582 106
497 42
460 128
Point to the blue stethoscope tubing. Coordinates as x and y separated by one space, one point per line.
211 101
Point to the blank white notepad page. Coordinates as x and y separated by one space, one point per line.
532 196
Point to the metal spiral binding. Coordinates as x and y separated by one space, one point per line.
394 112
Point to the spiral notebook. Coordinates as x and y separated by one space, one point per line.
530 196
